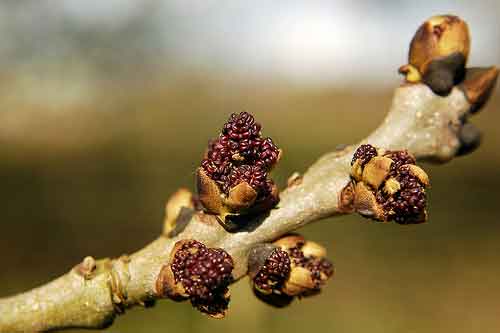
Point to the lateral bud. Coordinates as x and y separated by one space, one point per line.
391 186
200 274
182 198
478 85
290 267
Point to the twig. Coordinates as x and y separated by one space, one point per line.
89 296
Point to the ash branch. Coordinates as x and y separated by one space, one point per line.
430 126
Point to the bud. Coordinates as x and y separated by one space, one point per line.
478 86
233 177
470 139
287 268
392 187
269 268
199 274
310 269
183 198
438 53
363 154
399 158
87 267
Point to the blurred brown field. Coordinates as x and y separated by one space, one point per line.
91 178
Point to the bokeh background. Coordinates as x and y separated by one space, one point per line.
106 107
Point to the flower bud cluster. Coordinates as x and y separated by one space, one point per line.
274 272
288 268
200 274
233 177
363 154
389 186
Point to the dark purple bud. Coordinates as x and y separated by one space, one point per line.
269 153
238 155
255 176
241 126
407 205
399 158
275 271
364 153
205 274
391 190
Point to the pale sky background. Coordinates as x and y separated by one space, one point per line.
335 43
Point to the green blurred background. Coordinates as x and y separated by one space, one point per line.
106 108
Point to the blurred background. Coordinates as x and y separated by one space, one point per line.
106 108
